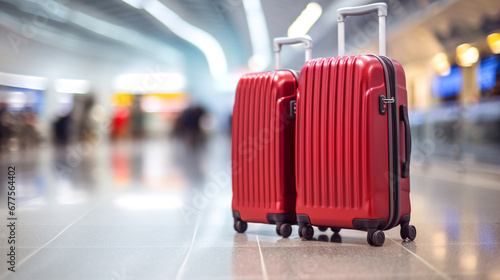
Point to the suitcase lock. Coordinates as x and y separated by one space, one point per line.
293 109
382 100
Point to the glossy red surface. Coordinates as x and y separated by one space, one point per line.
342 158
263 145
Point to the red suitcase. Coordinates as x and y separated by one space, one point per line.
263 146
353 142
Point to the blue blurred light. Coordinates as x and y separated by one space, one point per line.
450 85
487 236
486 74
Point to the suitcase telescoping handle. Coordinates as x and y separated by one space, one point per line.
381 8
308 44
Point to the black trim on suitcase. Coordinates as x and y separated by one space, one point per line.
280 218
272 218
405 219
236 214
305 227
303 219
364 224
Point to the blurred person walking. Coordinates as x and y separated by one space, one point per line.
83 120
8 128
190 142
137 119
188 128
62 129
3 126
29 136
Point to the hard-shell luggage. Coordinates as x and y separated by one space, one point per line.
353 141
263 146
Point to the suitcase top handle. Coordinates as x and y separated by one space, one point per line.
381 8
308 44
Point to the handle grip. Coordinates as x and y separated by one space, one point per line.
405 166
380 8
278 42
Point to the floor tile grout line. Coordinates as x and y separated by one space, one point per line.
264 270
55 237
422 260
183 265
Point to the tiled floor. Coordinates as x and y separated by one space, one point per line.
152 210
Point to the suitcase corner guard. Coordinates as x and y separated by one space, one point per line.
364 224
236 214
303 219
280 218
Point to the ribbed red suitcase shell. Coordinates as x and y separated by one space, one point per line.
342 142
263 145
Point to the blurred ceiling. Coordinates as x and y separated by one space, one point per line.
128 30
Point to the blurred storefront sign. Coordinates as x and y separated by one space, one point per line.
168 103
22 99
486 74
450 85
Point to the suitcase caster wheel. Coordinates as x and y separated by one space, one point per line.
334 229
300 231
240 226
278 231
376 238
322 229
285 230
307 232
408 231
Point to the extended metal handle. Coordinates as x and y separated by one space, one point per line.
381 8
308 44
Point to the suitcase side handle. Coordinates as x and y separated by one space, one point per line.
380 8
278 42
405 166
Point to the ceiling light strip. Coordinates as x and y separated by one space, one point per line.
259 35
305 20
199 38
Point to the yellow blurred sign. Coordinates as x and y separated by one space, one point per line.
122 99
153 102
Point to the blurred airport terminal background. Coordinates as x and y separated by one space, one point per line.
127 69
131 100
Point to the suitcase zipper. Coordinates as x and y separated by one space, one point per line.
392 83
390 102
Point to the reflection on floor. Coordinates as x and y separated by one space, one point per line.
154 210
